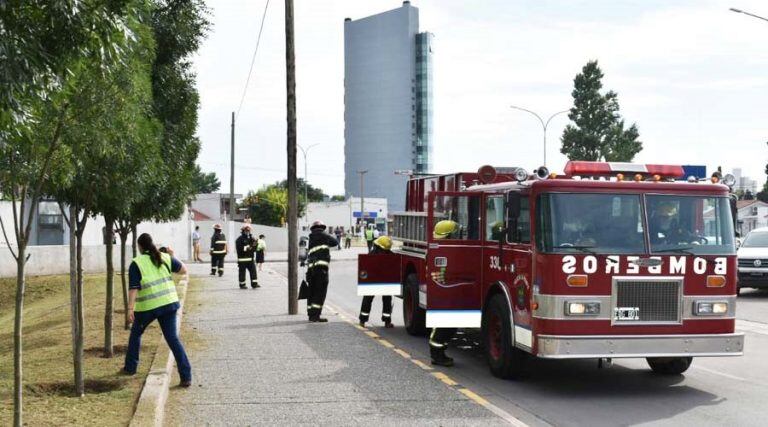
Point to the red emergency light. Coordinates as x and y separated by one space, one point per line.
585 168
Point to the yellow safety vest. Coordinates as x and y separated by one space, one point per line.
157 287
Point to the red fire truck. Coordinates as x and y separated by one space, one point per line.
608 260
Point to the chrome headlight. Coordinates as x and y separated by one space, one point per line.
582 308
710 308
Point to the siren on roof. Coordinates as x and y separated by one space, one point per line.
585 168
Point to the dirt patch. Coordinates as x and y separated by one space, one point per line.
99 351
62 388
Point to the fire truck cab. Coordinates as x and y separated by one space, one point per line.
608 260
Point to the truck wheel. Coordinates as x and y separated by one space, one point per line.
504 359
669 365
415 317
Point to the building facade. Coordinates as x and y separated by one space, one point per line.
347 214
751 214
387 103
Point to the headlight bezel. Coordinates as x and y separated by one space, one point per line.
588 308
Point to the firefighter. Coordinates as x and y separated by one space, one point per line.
369 237
218 251
318 260
440 337
246 247
382 245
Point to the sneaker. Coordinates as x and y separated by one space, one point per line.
318 320
185 383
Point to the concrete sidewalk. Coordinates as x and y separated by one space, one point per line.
260 366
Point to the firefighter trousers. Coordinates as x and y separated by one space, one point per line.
242 267
317 278
386 310
439 339
217 264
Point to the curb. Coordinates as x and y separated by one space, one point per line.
150 408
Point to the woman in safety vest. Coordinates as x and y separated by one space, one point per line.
152 295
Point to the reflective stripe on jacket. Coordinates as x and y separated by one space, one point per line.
157 287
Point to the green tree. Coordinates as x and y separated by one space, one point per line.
267 206
42 43
314 194
598 132
204 183
338 198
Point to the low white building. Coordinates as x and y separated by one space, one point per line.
347 214
751 214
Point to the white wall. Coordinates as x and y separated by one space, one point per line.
276 237
335 214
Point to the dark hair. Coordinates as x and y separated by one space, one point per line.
261 236
148 247
197 227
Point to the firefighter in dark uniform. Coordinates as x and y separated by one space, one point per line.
218 251
382 245
318 260
440 337
246 247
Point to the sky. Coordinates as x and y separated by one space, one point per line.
691 74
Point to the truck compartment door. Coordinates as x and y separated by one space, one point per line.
454 260
378 274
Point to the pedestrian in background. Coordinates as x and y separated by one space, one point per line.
152 296
261 249
196 244
348 239
338 232
218 251
318 261
369 237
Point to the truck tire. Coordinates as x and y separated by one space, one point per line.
414 317
504 359
669 365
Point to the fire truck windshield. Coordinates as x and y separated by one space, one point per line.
616 224
695 224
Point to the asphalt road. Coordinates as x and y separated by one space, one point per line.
714 392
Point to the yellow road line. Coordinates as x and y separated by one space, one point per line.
372 334
473 396
402 353
386 343
445 378
421 364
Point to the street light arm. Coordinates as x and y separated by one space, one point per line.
531 112
553 116
733 9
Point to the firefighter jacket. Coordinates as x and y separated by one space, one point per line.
319 249
246 247
218 244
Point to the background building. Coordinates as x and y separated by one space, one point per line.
751 214
387 103
347 214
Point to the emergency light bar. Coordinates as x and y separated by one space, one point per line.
585 168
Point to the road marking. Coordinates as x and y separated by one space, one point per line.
386 343
750 326
474 396
372 334
446 379
722 374
402 353
421 364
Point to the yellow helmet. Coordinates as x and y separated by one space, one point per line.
384 242
445 228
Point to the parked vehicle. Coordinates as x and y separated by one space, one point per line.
609 260
753 260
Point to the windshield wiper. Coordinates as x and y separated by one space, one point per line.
685 250
581 248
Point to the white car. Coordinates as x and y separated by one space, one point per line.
753 260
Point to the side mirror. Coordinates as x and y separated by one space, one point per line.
513 212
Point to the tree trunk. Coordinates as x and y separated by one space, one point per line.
134 237
80 303
123 240
77 357
21 263
109 307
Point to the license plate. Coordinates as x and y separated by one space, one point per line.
626 313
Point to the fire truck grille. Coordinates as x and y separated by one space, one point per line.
647 301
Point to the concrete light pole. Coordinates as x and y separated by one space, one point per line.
362 197
293 234
544 125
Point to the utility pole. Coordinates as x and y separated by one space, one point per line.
293 238
544 125
362 199
232 173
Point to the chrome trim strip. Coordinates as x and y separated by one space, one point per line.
625 346
553 306
689 310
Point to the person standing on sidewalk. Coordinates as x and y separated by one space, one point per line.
338 231
261 250
218 250
196 244
246 247
152 295
382 245
348 239
369 237
318 261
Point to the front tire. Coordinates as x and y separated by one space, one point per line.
669 365
414 317
504 359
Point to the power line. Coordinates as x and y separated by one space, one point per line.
253 60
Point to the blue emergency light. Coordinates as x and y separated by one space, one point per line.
698 171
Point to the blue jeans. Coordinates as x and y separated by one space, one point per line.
166 316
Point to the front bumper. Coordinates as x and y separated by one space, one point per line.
747 279
623 346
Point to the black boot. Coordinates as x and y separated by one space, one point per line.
221 272
439 357
255 285
318 319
